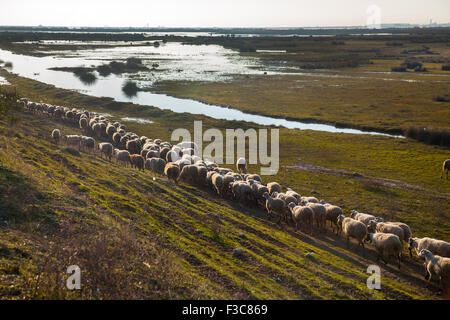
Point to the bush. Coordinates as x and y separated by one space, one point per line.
86 77
444 98
117 67
446 67
104 70
130 88
398 69
133 61
9 107
429 135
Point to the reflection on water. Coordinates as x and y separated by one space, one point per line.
111 86
139 120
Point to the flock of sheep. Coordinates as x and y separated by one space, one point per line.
180 163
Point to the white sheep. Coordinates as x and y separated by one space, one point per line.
438 247
56 134
301 214
353 229
386 244
122 156
383 227
320 213
106 149
72 140
364 217
437 266
241 165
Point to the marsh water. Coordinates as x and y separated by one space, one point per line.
175 62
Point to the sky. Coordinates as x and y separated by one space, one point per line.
215 13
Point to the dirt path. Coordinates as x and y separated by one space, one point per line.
390 183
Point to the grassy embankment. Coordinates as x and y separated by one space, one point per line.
80 209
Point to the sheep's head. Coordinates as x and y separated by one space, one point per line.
412 243
340 219
267 196
371 226
291 205
369 237
353 213
425 254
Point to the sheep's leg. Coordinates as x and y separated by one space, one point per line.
399 260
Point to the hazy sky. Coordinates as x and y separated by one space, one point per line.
215 13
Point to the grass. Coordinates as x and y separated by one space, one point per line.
68 194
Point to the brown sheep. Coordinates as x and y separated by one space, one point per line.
172 171
445 168
137 161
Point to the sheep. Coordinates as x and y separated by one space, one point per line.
406 230
382 227
331 214
386 244
96 129
310 199
273 187
301 214
163 152
137 161
83 123
116 138
200 179
258 191
134 146
438 247
242 191
354 229
56 135
320 213
122 156
223 171
445 168
364 217
228 181
217 181
72 140
110 130
153 154
252 176
172 171
106 149
275 206
87 143
188 173
292 193
241 165
436 265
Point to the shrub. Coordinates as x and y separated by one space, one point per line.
9 107
444 98
130 88
398 69
446 67
104 70
429 135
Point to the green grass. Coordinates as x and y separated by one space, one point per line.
65 192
